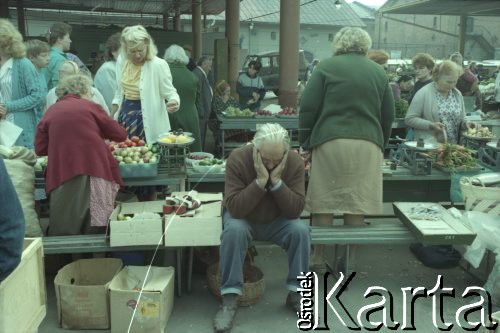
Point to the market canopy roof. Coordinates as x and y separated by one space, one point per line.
444 7
209 7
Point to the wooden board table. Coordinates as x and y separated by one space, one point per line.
432 224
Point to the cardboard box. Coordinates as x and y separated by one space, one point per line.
154 306
432 224
23 301
137 231
201 227
82 293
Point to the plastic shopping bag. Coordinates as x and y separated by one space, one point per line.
9 133
487 228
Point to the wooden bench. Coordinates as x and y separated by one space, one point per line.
378 231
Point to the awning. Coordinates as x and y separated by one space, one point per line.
446 7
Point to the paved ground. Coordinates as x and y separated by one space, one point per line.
385 266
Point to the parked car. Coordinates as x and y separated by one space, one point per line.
271 69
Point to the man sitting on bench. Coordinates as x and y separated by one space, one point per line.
265 196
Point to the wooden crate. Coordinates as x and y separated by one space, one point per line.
23 301
437 227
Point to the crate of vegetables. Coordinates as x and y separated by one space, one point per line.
137 162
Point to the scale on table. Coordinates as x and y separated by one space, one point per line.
489 155
414 156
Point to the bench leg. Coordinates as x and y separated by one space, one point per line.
190 269
178 252
346 256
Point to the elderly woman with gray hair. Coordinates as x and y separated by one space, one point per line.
82 177
186 84
346 115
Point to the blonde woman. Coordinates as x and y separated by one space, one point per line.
21 90
144 92
438 107
346 111
68 68
82 176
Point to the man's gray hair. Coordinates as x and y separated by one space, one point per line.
176 54
271 133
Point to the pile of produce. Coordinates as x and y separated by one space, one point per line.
135 155
290 112
453 157
265 113
401 107
481 132
487 87
236 112
210 161
132 142
172 138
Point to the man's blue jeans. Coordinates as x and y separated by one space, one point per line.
11 225
292 235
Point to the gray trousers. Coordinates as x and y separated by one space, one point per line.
292 235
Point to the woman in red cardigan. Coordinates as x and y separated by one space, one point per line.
82 177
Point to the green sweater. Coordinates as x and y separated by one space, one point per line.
347 97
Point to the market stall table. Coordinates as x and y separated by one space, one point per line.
399 184
252 124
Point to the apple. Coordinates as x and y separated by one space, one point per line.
145 159
128 159
111 147
152 159
135 139
124 153
121 217
119 158
141 143
141 161
133 162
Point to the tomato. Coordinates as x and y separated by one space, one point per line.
135 139
141 143
133 144
111 147
122 145
128 142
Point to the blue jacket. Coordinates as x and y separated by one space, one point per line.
28 96
11 225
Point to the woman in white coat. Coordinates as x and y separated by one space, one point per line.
144 91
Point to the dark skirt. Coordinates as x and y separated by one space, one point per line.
131 118
70 208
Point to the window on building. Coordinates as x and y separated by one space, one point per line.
273 35
330 37
386 26
435 22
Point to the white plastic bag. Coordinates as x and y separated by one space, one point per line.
9 133
487 228
493 283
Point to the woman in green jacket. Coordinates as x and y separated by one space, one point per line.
186 84
346 115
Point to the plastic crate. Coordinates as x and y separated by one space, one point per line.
143 170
